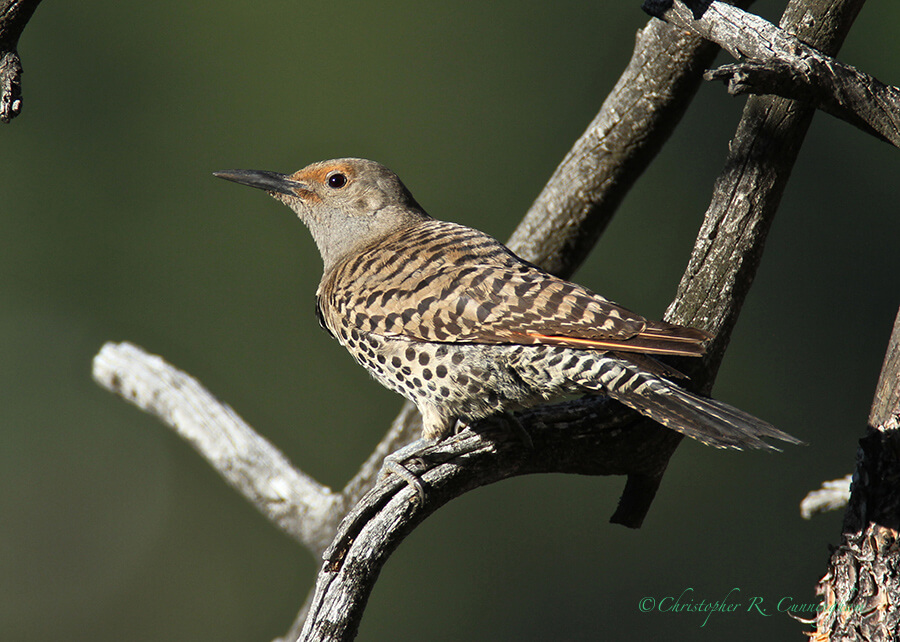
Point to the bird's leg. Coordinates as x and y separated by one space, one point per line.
393 463
508 422
435 427
513 422
397 462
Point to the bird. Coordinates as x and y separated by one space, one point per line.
454 321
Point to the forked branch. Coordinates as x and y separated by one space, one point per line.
772 61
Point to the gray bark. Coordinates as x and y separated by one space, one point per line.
861 589
773 61
14 15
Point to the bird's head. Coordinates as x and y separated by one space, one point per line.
347 203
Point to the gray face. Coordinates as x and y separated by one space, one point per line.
347 203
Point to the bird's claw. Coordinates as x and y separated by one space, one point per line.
393 463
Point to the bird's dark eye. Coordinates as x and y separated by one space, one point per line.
337 180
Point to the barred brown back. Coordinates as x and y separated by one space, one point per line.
438 281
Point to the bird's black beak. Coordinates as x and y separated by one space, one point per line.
268 181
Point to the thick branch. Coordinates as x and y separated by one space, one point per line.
14 15
303 508
749 189
584 437
861 589
634 122
884 414
781 64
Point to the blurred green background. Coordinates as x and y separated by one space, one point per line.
113 229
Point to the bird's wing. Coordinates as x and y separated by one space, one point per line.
479 292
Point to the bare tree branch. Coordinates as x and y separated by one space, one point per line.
884 414
861 589
634 122
583 437
749 189
296 503
781 64
14 15
838 89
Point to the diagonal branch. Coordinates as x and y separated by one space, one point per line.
583 437
295 502
635 121
749 189
773 61
885 413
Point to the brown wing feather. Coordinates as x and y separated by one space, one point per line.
439 281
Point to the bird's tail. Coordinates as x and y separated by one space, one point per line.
709 421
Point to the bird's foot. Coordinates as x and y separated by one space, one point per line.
418 456
395 463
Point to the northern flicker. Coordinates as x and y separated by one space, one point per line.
455 322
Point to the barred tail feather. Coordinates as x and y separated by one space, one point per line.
709 421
